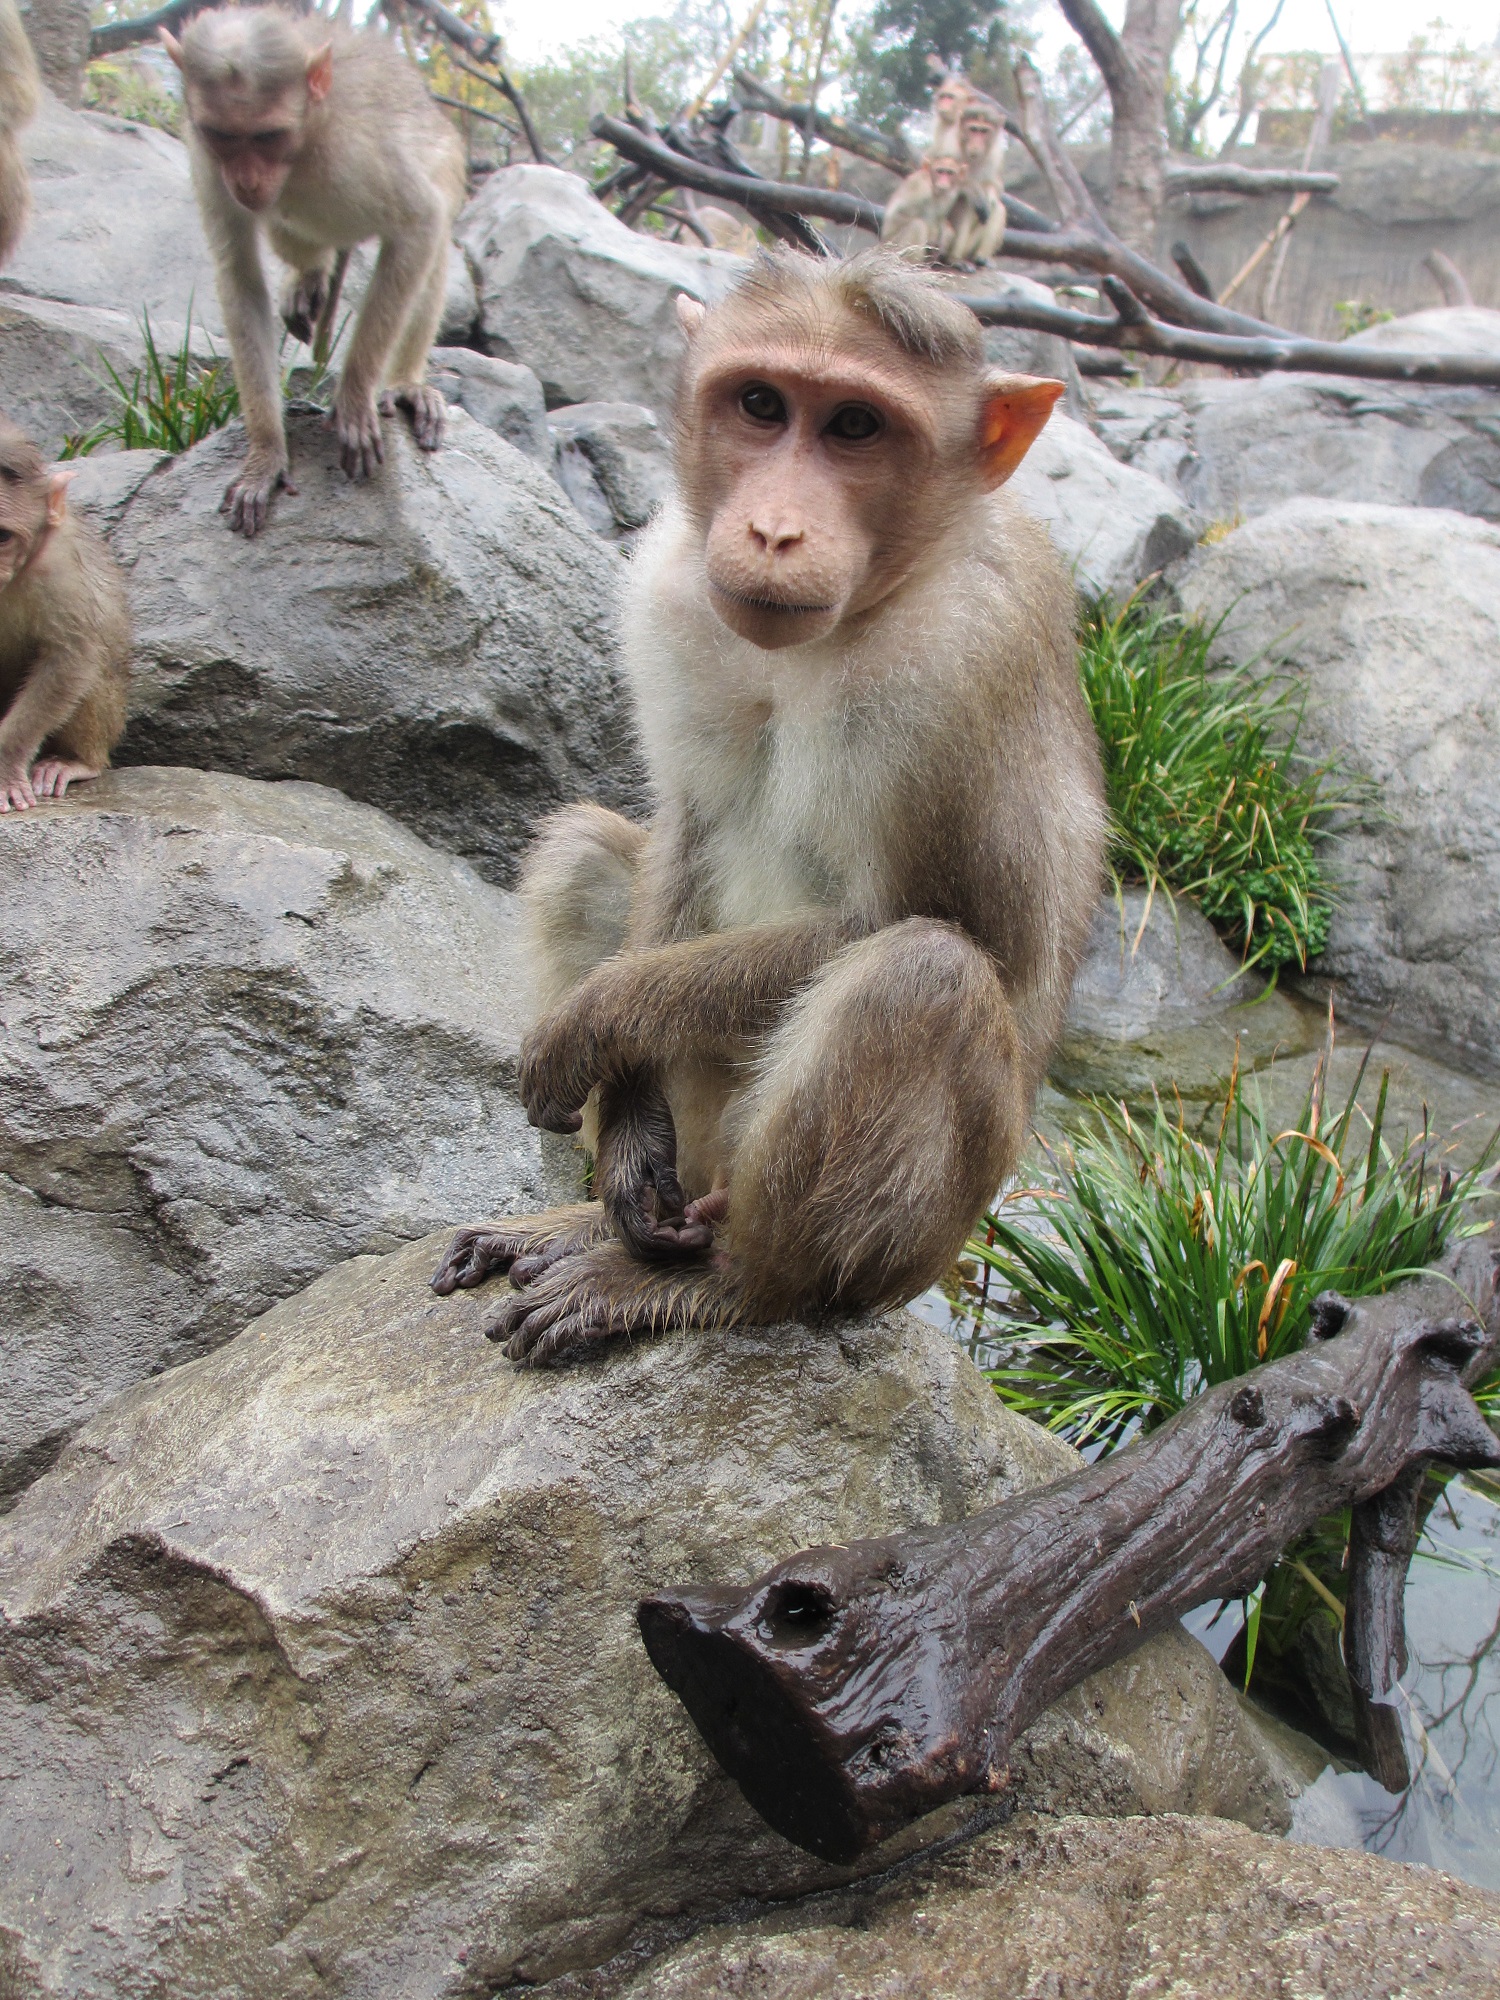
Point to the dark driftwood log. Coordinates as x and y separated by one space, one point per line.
117 35
751 194
851 1689
849 136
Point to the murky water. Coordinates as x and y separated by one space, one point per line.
1450 1818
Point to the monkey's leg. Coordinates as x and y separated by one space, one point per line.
635 1171
410 389
403 271
303 300
889 1105
524 1246
79 748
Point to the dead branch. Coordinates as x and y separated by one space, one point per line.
760 198
1216 178
483 49
863 140
1451 282
851 1689
1130 326
117 35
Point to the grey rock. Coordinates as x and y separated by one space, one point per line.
614 463
1147 428
1441 330
104 484
1022 351
1113 525
247 1029
460 299
1390 617
504 397
114 222
323 1674
1079 1909
437 641
570 292
55 361
58 31
1160 1002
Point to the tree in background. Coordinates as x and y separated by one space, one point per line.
1135 62
893 53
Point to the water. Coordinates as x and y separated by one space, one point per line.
1450 1692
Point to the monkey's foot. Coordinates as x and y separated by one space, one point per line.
525 1247
428 407
16 794
52 776
302 306
357 422
247 499
605 1293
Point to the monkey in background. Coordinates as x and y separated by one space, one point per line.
980 228
321 138
802 1017
20 94
64 634
917 216
953 92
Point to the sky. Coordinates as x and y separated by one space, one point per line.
1372 26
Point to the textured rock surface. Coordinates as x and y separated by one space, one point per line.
1442 330
114 220
1160 999
1112 524
1127 1909
614 464
1020 349
245 1030
575 295
1391 618
504 397
437 641
320 1665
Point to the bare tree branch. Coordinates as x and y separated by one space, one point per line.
1092 29
863 140
117 35
1211 178
758 197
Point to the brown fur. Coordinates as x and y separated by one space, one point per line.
364 153
64 634
20 93
878 842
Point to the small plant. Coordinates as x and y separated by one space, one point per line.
1151 1263
1209 794
127 89
1355 315
173 401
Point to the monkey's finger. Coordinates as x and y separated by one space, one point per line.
472 1256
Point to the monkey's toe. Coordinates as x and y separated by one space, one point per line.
472 1256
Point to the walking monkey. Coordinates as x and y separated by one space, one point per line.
807 1009
323 138
20 94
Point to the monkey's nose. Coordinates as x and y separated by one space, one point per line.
775 541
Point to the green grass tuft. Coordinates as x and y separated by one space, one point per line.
1150 1264
173 401
1209 795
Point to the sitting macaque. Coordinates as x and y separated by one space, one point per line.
323 138
64 634
980 228
20 92
803 1015
917 216
953 93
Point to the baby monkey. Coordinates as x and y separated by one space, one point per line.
803 1015
64 634
325 138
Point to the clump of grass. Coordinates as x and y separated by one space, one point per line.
1150 1263
126 89
1209 794
173 401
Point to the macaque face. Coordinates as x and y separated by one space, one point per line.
24 505
814 473
977 134
253 141
945 175
948 101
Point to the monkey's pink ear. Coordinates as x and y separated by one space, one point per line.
320 73
171 44
691 313
59 479
1010 422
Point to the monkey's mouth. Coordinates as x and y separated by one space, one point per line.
785 607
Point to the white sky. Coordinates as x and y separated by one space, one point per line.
537 27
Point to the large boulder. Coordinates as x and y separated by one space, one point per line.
321 1674
504 397
614 463
437 641
1390 617
114 220
1113 525
247 1030
577 297
1100 1909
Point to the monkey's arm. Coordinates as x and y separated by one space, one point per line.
59 679
643 1010
246 303
406 259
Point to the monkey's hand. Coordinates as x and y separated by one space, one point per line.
635 1172
247 497
356 418
16 793
429 411
302 305
562 1058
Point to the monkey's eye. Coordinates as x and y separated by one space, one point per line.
763 404
6 535
855 423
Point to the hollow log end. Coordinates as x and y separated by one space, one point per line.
778 1762
1381 1741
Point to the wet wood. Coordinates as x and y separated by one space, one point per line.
851 1689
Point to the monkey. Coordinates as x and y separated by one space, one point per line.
952 94
20 95
800 1016
324 138
979 221
64 634
917 214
